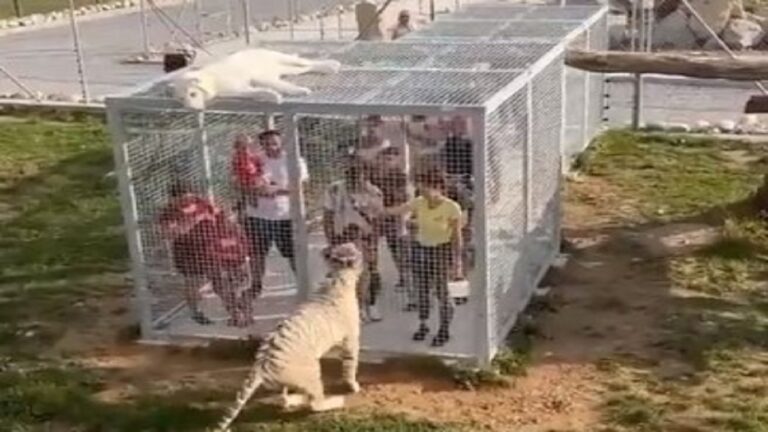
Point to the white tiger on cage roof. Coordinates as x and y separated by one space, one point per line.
257 73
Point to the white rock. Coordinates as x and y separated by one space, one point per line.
37 19
742 34
749 120
714 12
3 24
26 22
678 127
655 126
703 124
726 126
673 32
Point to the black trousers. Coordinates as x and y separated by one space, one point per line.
431 265
263 233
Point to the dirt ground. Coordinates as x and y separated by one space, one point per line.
623 344
604 302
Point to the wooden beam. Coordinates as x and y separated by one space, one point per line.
691 64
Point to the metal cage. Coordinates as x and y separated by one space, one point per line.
513 94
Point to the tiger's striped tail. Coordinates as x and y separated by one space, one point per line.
252 383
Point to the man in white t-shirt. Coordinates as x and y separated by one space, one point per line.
268 222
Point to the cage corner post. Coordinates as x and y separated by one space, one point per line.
202 140
143 297
298 209
485 347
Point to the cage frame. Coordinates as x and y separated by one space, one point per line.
485 349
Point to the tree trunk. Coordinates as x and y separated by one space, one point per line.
695 65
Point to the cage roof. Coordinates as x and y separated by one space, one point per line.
455 62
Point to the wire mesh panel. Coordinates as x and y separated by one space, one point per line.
576 102
507 131
523 12
209 271
545 134
367 180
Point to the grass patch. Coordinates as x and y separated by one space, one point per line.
713 335
60 238
666 176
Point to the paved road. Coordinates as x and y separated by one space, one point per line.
44 59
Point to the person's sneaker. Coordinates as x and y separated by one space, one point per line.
421 333
373 313
441 337
201 319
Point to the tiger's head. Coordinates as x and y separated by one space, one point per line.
345 256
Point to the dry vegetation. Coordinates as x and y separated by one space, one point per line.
657 323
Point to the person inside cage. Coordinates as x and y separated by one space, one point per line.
389 175
351 208
437 250
404 25
206 247
268 216
247 171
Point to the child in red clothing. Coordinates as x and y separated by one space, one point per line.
206 247
247 166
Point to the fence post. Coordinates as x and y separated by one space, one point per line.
291 13
298 211
199 20
143 297
431 10
481 291
528 161
143 21
321 25
78 52
247 22
202 141
17 10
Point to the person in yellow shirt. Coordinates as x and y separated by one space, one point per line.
436 254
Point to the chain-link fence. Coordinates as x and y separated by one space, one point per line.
676 102
438 156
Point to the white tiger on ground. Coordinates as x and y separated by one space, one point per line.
289 358
254 72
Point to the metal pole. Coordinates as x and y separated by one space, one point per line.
486 342
78 52
199 20
431 10
339 21
143 20
247 22
297 208
202 141
321 24
20 84
230 30
17 10
290 18
132 230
